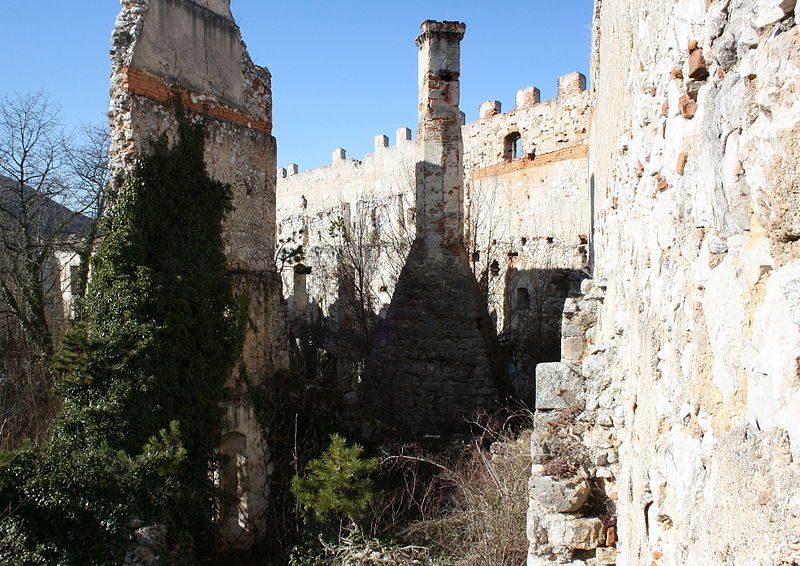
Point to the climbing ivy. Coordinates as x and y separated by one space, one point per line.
143 380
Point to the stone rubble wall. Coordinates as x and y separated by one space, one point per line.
578 424
694 161
170 54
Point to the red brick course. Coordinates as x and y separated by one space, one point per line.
564 154
144 83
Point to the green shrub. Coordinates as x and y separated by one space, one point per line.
337 485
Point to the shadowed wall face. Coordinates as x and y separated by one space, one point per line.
434 360
186 57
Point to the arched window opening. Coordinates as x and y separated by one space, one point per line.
233 482
512 146
522 299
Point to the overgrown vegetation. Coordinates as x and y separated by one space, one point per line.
458 504
337 487
142 382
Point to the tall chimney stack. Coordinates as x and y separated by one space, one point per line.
440 174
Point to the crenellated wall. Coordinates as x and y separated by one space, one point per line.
527 215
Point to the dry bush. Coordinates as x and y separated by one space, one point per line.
472 502
452 503
27 402
484 521
562 451
353 549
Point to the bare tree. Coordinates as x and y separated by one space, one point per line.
49 187
87 197
485 239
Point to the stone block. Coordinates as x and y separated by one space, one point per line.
402 134
581 533
489 108
771 11
571 349
558 386
606 555
381 142
587 285
527 97
571 330
697 66
338 154
572 83
560 495
687 106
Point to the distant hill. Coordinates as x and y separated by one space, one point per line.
49 216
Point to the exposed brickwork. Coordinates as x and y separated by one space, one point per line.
202 63
574 152
144 83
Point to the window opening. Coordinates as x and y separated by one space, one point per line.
523 299
511 146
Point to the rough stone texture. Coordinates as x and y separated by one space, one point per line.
701 301
433 363
179 51
509 204
579 420
146 546
557 386
560 495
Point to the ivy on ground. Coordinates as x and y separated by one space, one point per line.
143 380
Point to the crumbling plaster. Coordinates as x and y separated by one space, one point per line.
173 57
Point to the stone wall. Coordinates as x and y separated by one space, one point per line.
579 418
694 160
171 54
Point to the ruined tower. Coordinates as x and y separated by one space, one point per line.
434 360
187 56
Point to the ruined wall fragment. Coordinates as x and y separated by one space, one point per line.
526 218
187 56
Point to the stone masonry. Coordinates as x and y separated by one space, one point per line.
694 161
434 359
526 221
190 53
534 206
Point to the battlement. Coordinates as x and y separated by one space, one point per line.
339 155
432 28
568 85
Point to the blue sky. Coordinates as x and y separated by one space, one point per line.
342 72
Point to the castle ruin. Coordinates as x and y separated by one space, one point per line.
433 364
672 181
171 54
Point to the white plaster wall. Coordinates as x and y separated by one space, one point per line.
505 202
